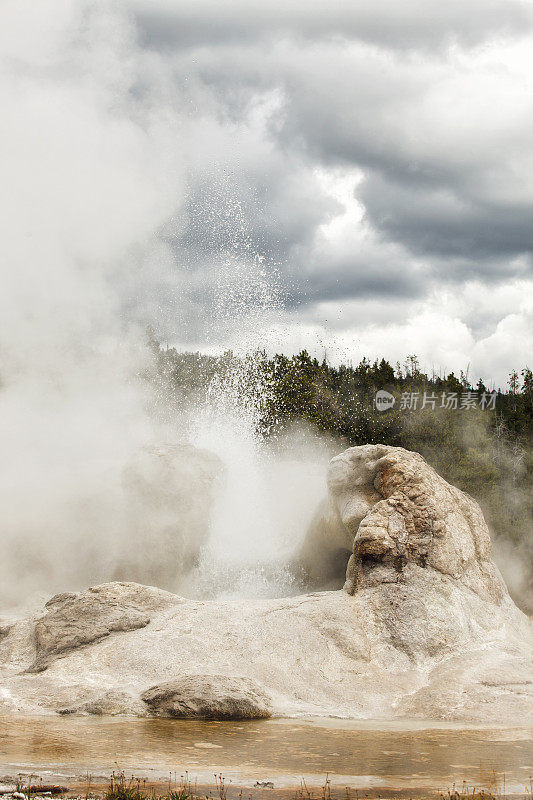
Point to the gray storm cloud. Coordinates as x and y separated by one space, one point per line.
145 137
413 24
428 103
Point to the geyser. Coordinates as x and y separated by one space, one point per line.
264 499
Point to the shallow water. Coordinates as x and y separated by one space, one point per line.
396 754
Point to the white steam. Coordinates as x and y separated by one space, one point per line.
86 167
93 486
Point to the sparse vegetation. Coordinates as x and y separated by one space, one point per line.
121 787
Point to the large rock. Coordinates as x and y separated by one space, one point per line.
391 511
208 697
425 629
75 620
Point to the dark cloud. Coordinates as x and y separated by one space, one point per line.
262 206
278 93
353 279
354 159
409 24
443 175
445 222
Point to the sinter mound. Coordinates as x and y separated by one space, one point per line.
424 628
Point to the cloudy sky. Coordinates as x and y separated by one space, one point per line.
351 175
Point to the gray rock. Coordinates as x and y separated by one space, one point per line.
208 697
76 620
60 599
5 628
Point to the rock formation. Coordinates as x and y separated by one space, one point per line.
425 627
74 620
392 512
208 697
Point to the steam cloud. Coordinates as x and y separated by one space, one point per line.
87 172
95 182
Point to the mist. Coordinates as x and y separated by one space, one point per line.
97 481
88 190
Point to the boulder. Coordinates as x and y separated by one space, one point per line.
208 697
390 510
76 620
